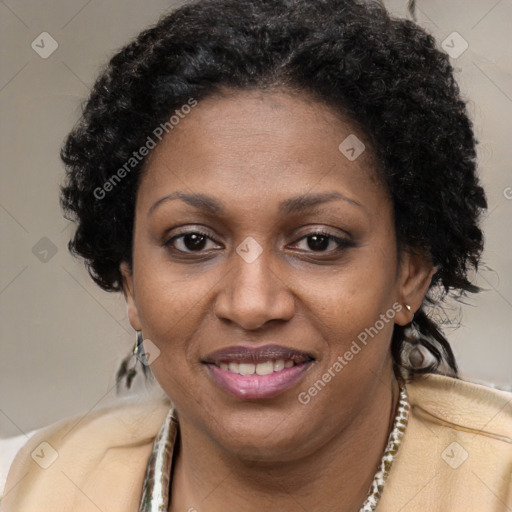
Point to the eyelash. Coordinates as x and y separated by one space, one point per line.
185 233
342 243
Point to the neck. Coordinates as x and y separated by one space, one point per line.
335 477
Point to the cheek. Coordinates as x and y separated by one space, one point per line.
353 296
168 296
170 308
171 311
353 311
169 304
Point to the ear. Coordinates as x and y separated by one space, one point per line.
129 295
415 276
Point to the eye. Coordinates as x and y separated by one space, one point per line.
322 241
191 241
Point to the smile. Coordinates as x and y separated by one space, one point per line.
257 373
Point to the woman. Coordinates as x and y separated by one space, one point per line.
282 189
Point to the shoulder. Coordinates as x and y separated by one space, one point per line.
463 405
82 462
456 453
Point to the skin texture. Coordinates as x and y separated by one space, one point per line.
252 150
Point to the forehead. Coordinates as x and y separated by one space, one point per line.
261 145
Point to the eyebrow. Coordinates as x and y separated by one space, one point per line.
199 201
303 202
295 204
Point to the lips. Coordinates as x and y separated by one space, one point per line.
257 372
255 355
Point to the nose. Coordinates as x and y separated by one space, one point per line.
253 294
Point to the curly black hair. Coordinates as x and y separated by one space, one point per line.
384 74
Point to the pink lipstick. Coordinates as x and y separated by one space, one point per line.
256 373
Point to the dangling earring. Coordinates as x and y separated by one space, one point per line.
127 371
138 348
418 355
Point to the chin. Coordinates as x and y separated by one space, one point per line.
262 436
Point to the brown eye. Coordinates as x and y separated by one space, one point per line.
318 242
323 242
192 241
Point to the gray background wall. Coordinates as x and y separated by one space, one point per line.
61 337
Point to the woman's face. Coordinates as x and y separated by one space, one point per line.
265 271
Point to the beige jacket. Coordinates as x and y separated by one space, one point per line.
456 455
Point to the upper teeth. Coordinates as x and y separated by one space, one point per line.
265 368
